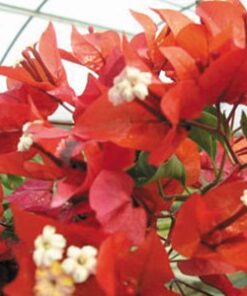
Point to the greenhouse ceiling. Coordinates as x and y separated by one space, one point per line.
22 22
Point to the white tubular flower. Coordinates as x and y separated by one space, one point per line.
81 263
25 142
49 247
243 198
131 83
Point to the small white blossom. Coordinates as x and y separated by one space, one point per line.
243 198
131 83
81 262
25 142
49 247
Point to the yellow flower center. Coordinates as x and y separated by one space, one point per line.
82 260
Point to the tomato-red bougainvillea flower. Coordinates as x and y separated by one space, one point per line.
147 181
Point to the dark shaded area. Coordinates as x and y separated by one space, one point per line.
8 271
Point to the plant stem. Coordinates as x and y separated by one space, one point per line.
231 115
237 130
224 224
153 111
233 158
243 166
219 117
218 177
53 158
60 102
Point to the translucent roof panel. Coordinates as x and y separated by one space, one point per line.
22 22
107 14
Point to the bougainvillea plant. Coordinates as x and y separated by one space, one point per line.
144 192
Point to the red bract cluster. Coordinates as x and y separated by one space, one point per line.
148 182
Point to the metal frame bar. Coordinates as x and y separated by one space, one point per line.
19 32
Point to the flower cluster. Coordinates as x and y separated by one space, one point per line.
56 276
131 83
148 182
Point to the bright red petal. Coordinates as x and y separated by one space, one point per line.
110 197
188 154
184 65
50 54
139 270
219 15
128 125
175 20
193 38
167 147
183 101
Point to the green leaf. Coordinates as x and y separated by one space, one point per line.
204 139
173 168
243 123
10 183
145 168
7 215
144 173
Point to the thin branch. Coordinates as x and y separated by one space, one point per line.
219 117
53 158
243 166
153 111
60 102
177 197
5 224
219 133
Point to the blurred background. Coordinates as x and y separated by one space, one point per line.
22 22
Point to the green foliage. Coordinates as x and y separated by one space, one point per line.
143 172
204 139
10 182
